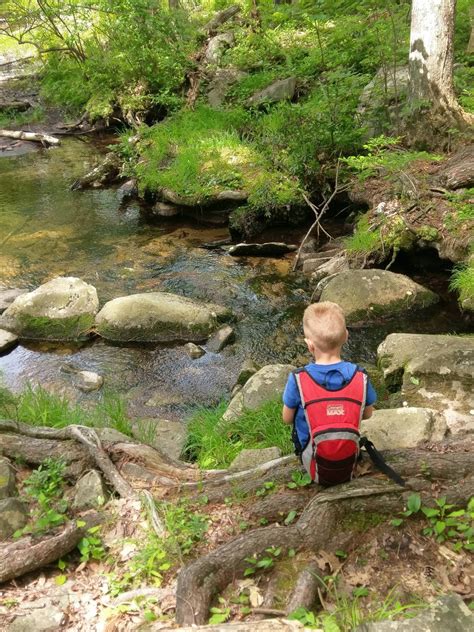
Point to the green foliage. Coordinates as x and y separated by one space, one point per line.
385 158
462 281
45 487
185 528
9 118
444 524
365 239
38 407
215 444
262 563
299 479
91 546
346 612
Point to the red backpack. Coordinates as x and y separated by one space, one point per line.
333 417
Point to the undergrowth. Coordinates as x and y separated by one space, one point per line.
37 407
214 443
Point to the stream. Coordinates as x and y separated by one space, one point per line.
47 230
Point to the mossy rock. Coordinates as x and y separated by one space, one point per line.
61 309
366 295
158 317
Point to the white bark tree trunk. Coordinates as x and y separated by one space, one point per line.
431 52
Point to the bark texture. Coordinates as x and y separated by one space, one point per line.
44 139
29 554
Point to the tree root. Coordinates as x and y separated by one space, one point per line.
29 554
199 582
306 588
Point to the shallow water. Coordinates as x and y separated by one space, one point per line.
48 230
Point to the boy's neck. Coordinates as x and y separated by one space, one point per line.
330 357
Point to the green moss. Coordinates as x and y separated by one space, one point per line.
362 521
44 328
427 233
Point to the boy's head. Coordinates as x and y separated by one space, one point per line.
324 327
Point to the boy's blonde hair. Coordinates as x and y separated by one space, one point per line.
324 324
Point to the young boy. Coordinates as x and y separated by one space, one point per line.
327 399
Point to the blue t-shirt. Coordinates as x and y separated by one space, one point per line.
332 377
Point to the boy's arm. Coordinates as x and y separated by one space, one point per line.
288 414
368 410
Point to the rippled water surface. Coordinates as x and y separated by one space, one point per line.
48 230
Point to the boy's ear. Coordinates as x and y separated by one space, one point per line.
347 335
310 345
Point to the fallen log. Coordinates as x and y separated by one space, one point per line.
306 588
36 137
29 554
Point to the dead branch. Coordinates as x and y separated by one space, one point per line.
221 17
267 625
29 554
44 139
319 212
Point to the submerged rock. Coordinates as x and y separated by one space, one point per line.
7 340
248 459
7 480
61 309
266 385
220 339
433 371
269 249
194 351
88 381
403 427
158 317
365 295
13 516
90 491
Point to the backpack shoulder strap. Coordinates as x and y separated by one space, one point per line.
379 462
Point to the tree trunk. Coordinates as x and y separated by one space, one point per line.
431 52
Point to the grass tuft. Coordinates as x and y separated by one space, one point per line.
213 443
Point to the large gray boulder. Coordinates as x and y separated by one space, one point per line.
403 427
266 385
433 371
281 90
48 618
158 317
61 309
365 295
166 436
13 516
7 480
220 84
446 614
216 47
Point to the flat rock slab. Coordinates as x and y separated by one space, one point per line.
61 309
268 249
403 427
220 339
366 295
8 295
7 340
446 614
158 317
47 619
266 385
433 372
248 459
